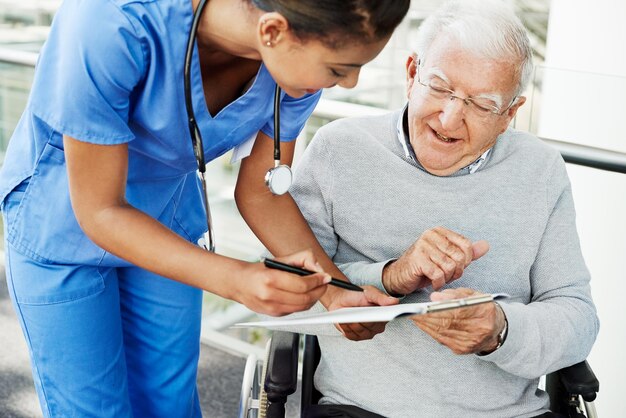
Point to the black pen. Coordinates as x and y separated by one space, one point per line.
273 264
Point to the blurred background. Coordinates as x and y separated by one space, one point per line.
577 96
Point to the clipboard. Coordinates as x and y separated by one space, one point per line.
372 313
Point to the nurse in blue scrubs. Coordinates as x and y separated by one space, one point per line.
102 204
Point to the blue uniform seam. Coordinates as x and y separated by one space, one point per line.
182 229
19 308
189 238
21 176
138 38
104 253
57 126
12 232
26 250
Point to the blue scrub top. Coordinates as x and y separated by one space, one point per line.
111 72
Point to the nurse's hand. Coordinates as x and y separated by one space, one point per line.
274 292
371 296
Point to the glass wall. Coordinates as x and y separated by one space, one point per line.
15 81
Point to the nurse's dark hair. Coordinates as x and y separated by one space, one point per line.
335 22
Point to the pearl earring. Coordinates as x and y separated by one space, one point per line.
268 43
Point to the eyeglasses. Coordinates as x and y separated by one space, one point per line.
481 107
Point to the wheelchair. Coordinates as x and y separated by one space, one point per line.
265 388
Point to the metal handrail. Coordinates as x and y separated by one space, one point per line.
587 156
14 56
331 109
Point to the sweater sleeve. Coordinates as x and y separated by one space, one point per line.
312 189
366 273
559 325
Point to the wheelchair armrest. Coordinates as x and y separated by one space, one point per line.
579 379
281 378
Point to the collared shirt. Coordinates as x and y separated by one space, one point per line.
409 152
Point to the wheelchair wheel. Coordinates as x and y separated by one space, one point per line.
251 386
246 402
590 409
262 394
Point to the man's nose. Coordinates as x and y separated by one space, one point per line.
452 114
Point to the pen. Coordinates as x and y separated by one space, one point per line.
273 264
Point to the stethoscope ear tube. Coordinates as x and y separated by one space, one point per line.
277 93
278 179
194 131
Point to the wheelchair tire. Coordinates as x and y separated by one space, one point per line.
245 399
263 403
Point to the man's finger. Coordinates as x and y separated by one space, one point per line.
445 263
376 297
361 331
460 243
479 248
438 283
448 294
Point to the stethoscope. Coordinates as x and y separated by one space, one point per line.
278 178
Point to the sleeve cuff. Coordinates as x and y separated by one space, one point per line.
514 338
367 274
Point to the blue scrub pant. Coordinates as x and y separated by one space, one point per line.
107 342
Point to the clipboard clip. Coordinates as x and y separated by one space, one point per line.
445 305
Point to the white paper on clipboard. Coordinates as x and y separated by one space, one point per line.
373 313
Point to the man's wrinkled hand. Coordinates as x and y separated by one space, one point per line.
438 257
465 330
371 296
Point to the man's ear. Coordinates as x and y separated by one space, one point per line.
513 109
411 72
273 28
510 114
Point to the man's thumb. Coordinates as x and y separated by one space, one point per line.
480 248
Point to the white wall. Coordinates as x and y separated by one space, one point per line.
587 104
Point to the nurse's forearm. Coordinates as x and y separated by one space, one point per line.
277 220
97 176
136 237
97 180
279 224
123 230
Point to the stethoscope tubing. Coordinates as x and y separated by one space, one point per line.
196 136
277 125
194 131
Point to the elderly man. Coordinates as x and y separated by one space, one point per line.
443 195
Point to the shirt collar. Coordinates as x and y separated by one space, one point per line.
409 153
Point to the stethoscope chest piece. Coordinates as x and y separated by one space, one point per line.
278 179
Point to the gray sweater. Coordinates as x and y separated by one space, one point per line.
367 203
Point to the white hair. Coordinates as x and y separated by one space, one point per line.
488 28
